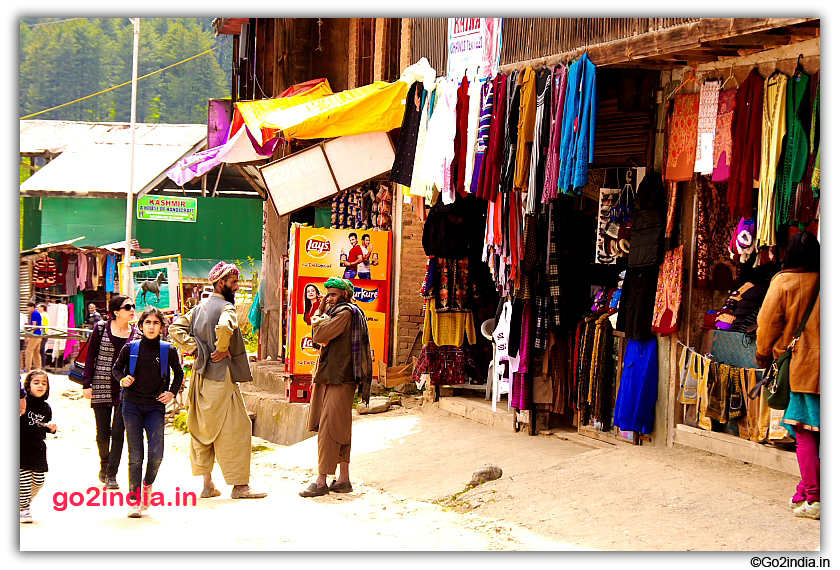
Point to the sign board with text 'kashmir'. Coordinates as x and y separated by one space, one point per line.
167 208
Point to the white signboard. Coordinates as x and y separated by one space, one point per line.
473 46
321 171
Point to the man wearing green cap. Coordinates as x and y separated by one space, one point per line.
344 363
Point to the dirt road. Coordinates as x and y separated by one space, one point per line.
409 471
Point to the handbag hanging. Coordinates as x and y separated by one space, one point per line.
776 381
76 373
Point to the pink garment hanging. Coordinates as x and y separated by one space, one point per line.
71 323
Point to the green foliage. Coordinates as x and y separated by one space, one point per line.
65 61
180 422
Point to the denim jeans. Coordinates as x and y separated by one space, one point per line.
139 417
110 436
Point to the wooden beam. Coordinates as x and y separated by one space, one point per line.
253 184
30 167
665 42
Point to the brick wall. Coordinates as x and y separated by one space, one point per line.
412 271
379 49
352 53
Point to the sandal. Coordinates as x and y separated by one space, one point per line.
207 493
314 491
246 494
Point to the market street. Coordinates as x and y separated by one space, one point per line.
409 471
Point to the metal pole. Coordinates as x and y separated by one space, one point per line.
129 207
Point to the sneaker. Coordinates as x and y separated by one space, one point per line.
808 510
135 512
795 504
25 516
147 497
111 483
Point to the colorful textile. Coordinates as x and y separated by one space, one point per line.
774 128
44 272
446 365
483 137
795 155
723 135
580 114
404 154
222 269
525 128
558 99
706 126
746 145
716 268
682 137
447 328
636 399
669 293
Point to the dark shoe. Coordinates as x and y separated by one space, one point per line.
337 487
207 493
314 491
111 483
103 475
246 494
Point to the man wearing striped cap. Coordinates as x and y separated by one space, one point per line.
217 419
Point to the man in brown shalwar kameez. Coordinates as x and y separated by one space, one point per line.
216 417
344 363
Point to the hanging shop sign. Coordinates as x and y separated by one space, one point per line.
473 45
167 208
325 169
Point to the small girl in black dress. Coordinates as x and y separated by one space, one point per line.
34 425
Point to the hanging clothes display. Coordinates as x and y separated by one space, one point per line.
525 128
483 136
404 154
536 177
488 185
446 365
806 204
459 159
774 128
723 135
716 268
44 271
577 147
707 126
746 145
558 99
682 137
669 293
475 102
636 399
646 248
419 186
110 272
795 154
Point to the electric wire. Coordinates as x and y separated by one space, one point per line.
124 84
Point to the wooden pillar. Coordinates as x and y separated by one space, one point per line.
353 54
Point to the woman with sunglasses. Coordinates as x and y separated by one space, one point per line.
103 390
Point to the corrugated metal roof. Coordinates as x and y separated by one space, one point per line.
95 163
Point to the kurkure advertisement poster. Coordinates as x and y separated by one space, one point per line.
322 253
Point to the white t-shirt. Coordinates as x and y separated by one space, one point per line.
363 267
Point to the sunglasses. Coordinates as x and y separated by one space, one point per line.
128 307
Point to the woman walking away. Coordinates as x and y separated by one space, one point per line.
34 425
785 307
142 368
103 390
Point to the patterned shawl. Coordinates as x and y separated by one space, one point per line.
359 347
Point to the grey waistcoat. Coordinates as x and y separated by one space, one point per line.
204 320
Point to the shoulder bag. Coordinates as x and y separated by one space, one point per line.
776 380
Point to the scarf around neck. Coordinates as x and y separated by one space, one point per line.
359 346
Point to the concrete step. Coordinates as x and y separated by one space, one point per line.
478 410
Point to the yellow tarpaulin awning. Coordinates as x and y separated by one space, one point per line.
372 108
254 112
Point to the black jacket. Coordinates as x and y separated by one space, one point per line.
148 384
33 448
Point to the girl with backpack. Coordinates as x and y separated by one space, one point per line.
142 369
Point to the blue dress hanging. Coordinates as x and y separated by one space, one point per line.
635 402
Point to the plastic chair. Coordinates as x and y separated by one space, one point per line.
496 386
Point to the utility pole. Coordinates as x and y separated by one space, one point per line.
129 208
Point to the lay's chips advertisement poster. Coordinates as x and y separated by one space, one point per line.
363 257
